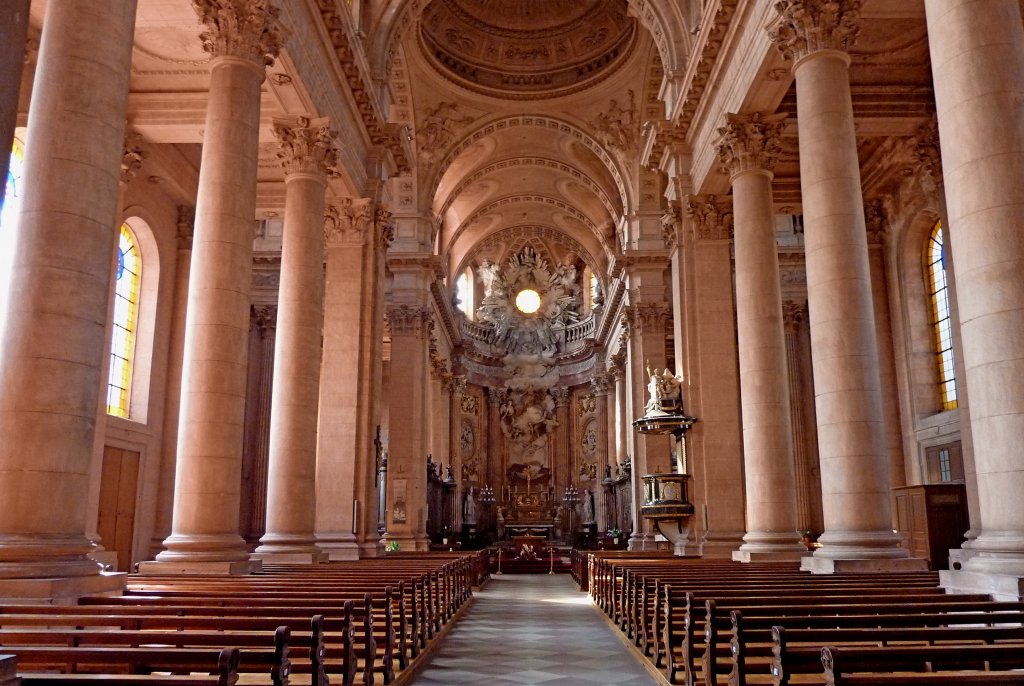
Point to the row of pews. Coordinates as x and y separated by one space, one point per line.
348 623
714 622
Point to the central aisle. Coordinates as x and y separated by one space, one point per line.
533 629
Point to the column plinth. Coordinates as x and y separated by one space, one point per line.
55 327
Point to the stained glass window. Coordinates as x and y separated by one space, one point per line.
464 292
126 317
943 330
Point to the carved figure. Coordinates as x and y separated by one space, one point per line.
469 507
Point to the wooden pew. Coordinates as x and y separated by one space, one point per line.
752 645
101 662
225 674
965 665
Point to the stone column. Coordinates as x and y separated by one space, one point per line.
748 148
892 440
243 40
169 448
252 520
407 400
706 340
805 453
55 329
344 385
978 90
308 153
600 386
652 453
617 406
562 443
13 30
815 34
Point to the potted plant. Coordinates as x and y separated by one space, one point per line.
615 533
392 546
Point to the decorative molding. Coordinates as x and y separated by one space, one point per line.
807 26
711 217
347 222
186 226
703 61
617 127
750 142
561 396
307 146
439 129
587 405
600 385
247 29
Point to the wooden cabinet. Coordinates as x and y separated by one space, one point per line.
932 519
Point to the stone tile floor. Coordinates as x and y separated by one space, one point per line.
533 629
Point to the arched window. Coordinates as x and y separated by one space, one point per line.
464 292
126 319
942 327
9 210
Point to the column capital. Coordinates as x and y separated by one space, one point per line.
186 226
750 142
600 384
671 223
307 146
648 317
711 217
793 313
408 320
132 156
874 220
246 29
495 396
561 396
347 222
384 228
927 153
808 26
264 319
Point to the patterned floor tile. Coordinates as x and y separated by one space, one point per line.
532 629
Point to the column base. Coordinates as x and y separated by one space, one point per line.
1000 586
828 565
338 546
720 545
769 555
371 549
184 567
642 542
61 591
298 558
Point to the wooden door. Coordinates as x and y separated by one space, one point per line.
118 487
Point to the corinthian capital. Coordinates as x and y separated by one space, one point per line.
384 226
307 145
711 217
409 320
750 142
345 223
248 29
807 26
